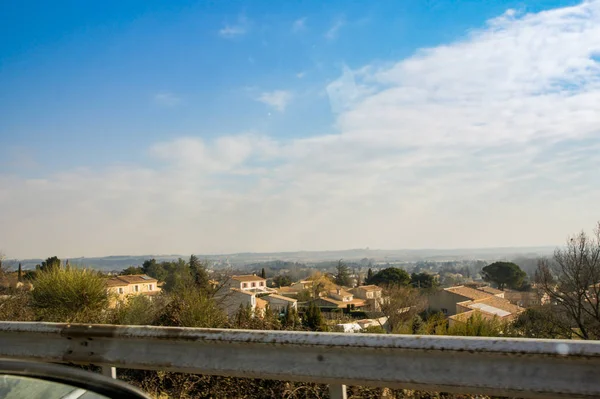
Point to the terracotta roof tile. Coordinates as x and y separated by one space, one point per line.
283 298
116 282
370 288
248 277
136 279
341 293
490 290
243 291
468 292
501 303
342 304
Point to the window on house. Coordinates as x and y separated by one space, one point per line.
150 287
136 288
262 283
254 284
244 285
120 290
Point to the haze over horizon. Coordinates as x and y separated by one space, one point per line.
282 254
147 128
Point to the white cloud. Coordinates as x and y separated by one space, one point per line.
490 141
300 75
299 25
167 99
230 31
278 99
333 32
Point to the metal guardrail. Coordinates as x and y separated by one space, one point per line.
511 367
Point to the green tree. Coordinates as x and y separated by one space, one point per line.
138 310
504 274
390 276
342 275
313 319
282 280
76 295
436 323
20 273
477 326
154 269
417 325
29 275
290 320
179 275
189 307
199 274
243 317
304 295
262 273
369 275
423 280
148 266
132 270
541 322
373 330
50 264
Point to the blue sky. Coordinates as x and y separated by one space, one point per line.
151 126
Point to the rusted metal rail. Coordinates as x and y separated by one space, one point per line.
510 367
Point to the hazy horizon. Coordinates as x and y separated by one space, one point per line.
260 127
435 251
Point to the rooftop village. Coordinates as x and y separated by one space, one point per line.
251 291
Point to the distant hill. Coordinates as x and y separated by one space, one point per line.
117 263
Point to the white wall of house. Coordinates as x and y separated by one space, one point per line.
279 305
362 293
340 295
242 284
252 285
231 301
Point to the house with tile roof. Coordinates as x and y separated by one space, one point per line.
295 289
371 294
230 300
241 291
330 303
491 290
446 300
339 298
527 299
279 303
340 294
248 282
367 291
488 308
461 302
136 284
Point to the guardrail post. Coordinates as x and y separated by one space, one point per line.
337 391
109 371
